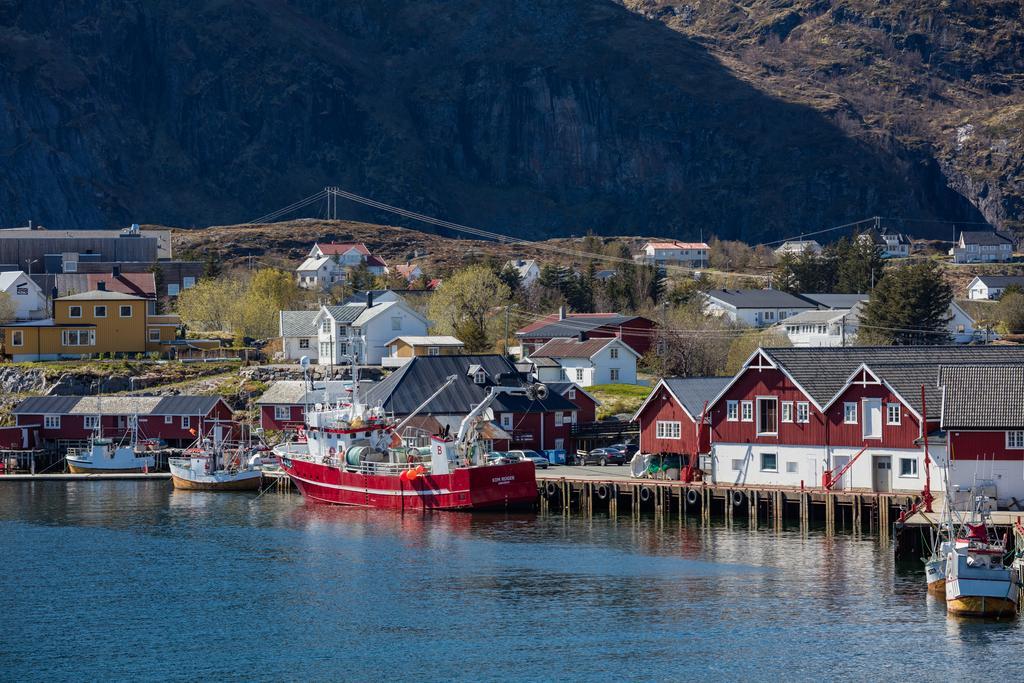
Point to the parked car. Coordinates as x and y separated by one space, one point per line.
628 449
602 456
499 458
532 456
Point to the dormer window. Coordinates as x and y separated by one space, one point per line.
479 377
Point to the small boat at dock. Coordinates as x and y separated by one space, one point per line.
978 584
104 456
215 463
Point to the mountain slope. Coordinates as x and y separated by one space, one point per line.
525 117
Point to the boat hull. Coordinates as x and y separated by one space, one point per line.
248 483
475 488
84 469
982 606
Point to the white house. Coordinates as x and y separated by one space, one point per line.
983 246
798 247
819 328
992 286
587 362
891 244
369 325
27 297
755 307
693 254
840 327
298 334
329 264
528 270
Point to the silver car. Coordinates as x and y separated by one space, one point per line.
530 456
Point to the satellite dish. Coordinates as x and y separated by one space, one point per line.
304 362
541 391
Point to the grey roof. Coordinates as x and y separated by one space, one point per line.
411 384
298 323
1002 281
813 317
100 295
823 371
834 301
117 405
694 392
759 298
291 392
985 237
347 313
545 362
982 396
39 405
572 325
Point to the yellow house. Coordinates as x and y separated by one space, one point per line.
401 349
90 323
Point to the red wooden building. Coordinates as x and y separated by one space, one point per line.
175 420
634 330
670 419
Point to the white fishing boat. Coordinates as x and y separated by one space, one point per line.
104 456
978 584
217 463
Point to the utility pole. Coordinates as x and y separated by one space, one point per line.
506 328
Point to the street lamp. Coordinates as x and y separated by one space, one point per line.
29 263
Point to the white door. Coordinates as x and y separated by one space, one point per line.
838 463
871 409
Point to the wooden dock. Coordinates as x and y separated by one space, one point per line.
67 476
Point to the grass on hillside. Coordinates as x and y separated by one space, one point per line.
618 398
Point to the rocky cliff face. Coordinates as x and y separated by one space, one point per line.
537 118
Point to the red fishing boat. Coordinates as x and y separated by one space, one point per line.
351 454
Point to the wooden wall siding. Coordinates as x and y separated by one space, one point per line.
981 446
150 426
754 383
586 408
267 420
662 407
113 249
893 436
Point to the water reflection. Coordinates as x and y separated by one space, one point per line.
323 593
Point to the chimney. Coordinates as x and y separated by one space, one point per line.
583 336
101 286
115 271
369 299
561 312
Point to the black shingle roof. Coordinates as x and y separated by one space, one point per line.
982 396
347 313
40 405
1002 281
822 372
759 298
408 386
693 392
985 238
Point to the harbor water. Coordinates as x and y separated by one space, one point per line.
124 580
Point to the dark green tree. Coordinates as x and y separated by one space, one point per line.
211 264
861 266
909 306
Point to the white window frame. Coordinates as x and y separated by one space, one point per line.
579 374
121 308
757 415
90 422
786 411
849 413
803 412
613 374
72 309
282 413
1015 440
613 353
51 421
186 421
17 337
572 394
168 419
732 411
893 414
746 411
912 475
90 337
96 311
479 377
433 350
668 429
769 469
304 344
506 421
154 334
